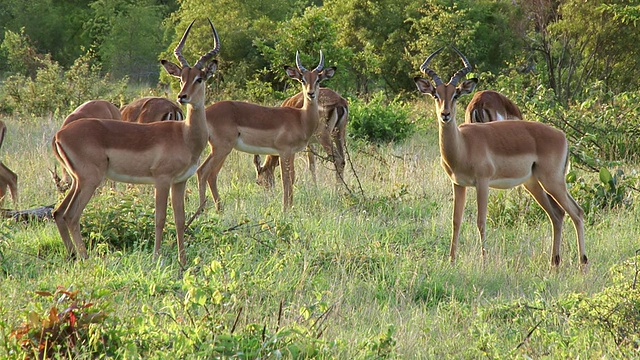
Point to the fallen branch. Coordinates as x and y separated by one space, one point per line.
37 214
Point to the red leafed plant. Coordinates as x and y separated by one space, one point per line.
61 328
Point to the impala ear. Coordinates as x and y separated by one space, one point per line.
172 69
467 86
425 86
327 73
211 68
293 72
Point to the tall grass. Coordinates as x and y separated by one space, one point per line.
355 274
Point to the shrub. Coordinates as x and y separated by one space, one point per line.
55 90
379 121
611 192
64 325
120 220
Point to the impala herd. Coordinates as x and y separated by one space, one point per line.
151 141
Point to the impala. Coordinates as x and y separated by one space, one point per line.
331 134
501 155
100 109
164 153
256 129
8 179
150 109
488 106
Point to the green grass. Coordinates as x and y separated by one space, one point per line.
359 275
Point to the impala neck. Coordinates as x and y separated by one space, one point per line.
311 113
196 123
451 142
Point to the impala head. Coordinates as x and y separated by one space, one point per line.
193 79
310 80
445 95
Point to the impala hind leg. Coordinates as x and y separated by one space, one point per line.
208 172
69 212
559 192
311 157
482 198
162 195
58 217
8 179
554 212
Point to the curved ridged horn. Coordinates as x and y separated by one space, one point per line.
320 64
216 48
299 64
432 74
178 50
462 72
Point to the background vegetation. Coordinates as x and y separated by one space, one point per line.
358 270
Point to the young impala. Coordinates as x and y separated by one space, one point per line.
164 154
150 109
256 129
331 134
502 155
488 105
100 109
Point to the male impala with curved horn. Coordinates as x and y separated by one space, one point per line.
164 154
256 129
502 155
331 134
488 105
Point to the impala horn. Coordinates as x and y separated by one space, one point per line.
204 59
427 71
178 51
299 64
320 64
462 72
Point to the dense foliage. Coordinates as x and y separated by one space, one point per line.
569 44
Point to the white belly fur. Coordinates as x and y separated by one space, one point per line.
149 180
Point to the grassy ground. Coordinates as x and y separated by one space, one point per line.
342 275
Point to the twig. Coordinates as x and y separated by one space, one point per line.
526 338
635 277
198 212
346 151
279 316
235 322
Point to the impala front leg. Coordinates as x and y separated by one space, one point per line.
459 196
177 202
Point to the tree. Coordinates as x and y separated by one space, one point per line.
129 37
483 30
307 33
239 23
584 42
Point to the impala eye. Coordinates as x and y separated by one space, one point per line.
199 80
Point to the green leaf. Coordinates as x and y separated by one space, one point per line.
605 176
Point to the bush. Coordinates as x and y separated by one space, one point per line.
379 121
64 324
120 220
53 89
